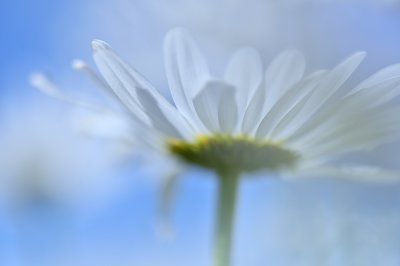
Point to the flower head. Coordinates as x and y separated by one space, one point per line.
281 121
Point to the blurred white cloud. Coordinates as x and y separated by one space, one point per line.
43 161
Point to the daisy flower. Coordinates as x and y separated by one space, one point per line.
278 120
282 120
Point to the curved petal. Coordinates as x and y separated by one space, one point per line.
377 78
85 69
138 94
293 99
284 71
216 106
252 114
168 193
46 86
362 132
322 94
343 118
245 72
186 69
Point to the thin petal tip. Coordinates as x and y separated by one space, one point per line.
78 64
177 33
360 54
36 79
100 45
178 30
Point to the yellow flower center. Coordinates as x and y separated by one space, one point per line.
234 153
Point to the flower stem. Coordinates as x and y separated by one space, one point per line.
228 186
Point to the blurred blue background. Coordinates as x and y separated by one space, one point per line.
33 34
315 222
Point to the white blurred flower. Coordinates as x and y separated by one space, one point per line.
41 161
279 121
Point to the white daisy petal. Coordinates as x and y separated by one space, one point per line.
169 189
360 134
215 105
126 97
85 69
252 114
128 84
328 87
377 78
285 125
46 86
245 72
284 71
337 119
227 110
162 119
377 93
186 69
99 118
291 99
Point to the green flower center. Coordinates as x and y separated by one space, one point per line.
234 153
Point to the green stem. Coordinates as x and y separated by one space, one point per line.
228 186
